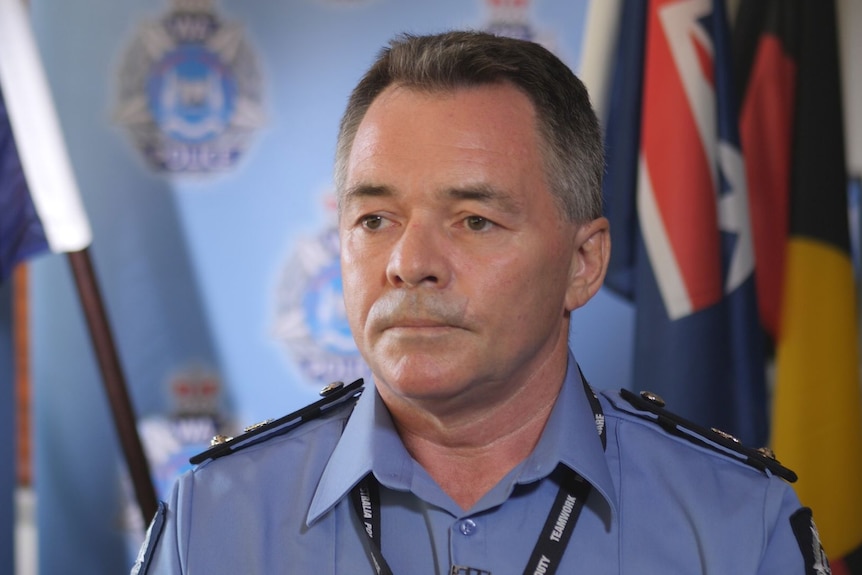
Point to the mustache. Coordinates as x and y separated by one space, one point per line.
400 307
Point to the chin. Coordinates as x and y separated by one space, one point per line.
417 377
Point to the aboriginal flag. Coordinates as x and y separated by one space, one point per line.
791 124
676 196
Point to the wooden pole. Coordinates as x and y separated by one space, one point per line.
21 351
115 385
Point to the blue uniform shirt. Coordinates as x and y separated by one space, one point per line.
659 504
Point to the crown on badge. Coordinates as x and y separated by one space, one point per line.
510 18
509 3
193 5
508 10
508 7
195 391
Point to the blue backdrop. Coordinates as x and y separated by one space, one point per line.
230 273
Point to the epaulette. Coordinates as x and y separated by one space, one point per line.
762 459
334 394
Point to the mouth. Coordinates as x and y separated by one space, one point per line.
419 326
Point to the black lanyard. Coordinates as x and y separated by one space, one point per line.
553 539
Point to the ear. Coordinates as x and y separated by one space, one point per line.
589 262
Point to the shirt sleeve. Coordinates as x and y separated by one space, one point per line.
159 552
793 546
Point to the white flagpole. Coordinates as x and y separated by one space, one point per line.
52 186
597 52
38 137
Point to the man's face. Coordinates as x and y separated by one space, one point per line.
456 261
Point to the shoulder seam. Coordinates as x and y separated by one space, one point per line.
708 438
267 430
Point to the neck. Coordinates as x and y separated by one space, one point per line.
468 452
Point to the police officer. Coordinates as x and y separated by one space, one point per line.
468 173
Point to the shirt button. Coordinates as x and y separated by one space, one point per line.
468 527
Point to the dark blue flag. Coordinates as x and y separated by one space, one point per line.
21 233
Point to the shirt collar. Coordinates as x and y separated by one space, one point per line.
572 438
370 442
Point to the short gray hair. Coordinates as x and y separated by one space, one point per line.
570 133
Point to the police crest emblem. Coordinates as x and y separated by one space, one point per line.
190 91
310 319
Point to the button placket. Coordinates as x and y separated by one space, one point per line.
467 538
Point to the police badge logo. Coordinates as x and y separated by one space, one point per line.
169 440
509 18
190 91
310 319
346 3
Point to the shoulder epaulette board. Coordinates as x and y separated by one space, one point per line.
762 459
334 394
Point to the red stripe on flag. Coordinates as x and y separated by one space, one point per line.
838 567
679 168
766 124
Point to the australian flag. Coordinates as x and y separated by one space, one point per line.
676 197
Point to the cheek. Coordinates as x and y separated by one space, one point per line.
533 285
352 282
353 260
358 286
538 269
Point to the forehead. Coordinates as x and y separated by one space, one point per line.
475 132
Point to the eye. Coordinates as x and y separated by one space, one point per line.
477 223
372 222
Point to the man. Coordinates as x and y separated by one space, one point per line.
468 172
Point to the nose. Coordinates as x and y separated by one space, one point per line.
420 257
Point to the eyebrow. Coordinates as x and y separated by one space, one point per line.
478 193
355 193
365 191
487 195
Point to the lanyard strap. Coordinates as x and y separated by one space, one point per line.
555 535
548 551
366 503
553 539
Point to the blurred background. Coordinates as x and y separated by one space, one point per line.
201 135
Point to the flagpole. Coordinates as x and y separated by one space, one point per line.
114 381
52 187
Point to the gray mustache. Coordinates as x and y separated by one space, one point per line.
399 307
